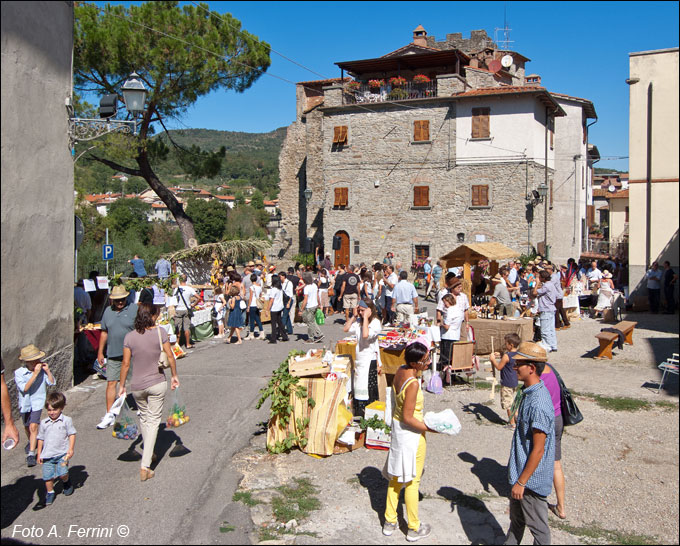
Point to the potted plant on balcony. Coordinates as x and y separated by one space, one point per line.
397 93
353 86
376 84
397 81
421 78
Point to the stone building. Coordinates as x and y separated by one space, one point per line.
37 185
452 152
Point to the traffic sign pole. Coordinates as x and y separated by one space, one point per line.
107 242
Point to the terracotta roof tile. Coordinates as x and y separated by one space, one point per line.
621 194
331 80
226 197
500 90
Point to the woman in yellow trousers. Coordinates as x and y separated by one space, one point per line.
406 457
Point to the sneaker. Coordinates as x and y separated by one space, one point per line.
49 498
31 461
68 489
319 338
106 421
389 528
423 532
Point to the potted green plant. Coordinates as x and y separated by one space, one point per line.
353 86
398 94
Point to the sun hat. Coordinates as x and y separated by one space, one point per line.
118 292
272 267
229 268
531 262
251 263
528 350
31 352
455 282
362 303
497 277
422 340
607 275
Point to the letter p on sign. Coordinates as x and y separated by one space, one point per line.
107 252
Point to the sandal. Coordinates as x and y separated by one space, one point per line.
553 509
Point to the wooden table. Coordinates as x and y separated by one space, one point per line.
485 329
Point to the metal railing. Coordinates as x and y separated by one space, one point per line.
365 94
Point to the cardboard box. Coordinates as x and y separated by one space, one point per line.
343 448
307 367
376 439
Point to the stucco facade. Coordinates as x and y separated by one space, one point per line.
653 79
37 185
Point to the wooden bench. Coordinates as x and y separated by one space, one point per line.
626 327
607 340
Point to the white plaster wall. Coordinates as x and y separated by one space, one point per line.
37 184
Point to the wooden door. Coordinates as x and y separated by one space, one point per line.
342 254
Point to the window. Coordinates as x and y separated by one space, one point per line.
341 197
421 196
551 130
340 134
356 247
421 130
626 220
480 122
480 195
422 252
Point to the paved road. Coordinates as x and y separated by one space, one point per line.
190 496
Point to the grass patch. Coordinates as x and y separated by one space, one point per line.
665 404
482 496
353 480
596 533
246 497
226 527
616 403
483 385
295 502
265 533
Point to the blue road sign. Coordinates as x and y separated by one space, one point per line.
107 252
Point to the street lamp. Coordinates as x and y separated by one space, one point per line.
83 129
542 191
308 194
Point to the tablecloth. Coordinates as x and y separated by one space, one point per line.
485 329
201 316
391 359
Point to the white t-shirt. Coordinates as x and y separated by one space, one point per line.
275 294
288 288
187 292
311 291
255 291
367 348
453 317
393 279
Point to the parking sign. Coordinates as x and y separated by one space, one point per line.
107 252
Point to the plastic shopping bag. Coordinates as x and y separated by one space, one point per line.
434 385
177 414
320 318
443 421
125 427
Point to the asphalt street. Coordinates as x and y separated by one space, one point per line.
189 498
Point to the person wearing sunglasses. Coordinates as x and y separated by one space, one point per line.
532 453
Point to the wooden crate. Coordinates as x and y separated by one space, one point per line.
307 367
339 448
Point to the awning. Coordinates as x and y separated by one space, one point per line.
474 252
413 61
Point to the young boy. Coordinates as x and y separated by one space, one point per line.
508 374
56 441
31 383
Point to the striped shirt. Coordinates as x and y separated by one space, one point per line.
535 412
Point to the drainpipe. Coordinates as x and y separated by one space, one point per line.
545 208
648 238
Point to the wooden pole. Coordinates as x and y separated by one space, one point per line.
467 275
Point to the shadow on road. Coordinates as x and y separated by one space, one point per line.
372 479
478 522
480 411
17 497
489 472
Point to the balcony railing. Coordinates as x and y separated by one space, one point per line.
365 94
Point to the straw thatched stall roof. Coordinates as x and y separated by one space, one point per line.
474 252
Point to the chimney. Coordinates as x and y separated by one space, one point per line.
420 36
532 79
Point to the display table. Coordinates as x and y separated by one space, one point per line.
391 359
202 327
323 417
485 329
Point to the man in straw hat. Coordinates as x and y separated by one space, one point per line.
32 381
117 321
532 453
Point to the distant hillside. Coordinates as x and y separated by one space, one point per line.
252 159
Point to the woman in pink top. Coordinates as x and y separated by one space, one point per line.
550 381
142 346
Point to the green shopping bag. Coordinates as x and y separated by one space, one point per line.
320 319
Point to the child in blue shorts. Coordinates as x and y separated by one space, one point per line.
56 441
32 380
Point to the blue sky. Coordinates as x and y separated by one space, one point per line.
578 48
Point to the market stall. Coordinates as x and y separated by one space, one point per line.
471 254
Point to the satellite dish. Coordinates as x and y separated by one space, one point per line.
612 188
506 61
495 66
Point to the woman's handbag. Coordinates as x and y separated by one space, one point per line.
242 305
570 412
163 360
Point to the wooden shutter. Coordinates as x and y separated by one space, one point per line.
340 134
338 197
551 193
344 196
480 195
480 122
421 130
590 215
421 196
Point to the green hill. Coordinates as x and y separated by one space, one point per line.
252 159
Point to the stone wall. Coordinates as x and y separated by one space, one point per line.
477 41
37 185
